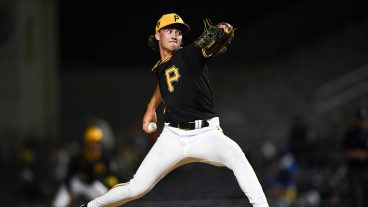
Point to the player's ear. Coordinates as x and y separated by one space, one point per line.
157 36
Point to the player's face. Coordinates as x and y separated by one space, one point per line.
169 39
93 146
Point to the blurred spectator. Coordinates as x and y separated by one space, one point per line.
28 169
281 186
35 177
108 141
90 173
355 151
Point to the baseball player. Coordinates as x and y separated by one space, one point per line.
90 173
192 131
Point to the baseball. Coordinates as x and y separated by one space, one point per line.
152 127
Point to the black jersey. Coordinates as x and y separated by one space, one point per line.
89 167
184 85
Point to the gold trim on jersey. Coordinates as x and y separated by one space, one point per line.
160 62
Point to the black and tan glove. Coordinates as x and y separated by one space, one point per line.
214 41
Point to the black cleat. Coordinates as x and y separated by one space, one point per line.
83 205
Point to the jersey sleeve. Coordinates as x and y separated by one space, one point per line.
193 55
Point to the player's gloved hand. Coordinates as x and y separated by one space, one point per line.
215 39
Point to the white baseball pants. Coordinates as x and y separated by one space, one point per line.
175 147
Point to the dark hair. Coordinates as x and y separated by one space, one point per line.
152 43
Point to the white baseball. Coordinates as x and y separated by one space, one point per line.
152 127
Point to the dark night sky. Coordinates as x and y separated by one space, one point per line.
114 33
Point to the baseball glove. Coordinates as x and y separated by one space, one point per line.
214 41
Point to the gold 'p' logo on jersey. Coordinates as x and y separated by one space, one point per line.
172 74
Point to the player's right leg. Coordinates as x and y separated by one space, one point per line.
164 156
215 147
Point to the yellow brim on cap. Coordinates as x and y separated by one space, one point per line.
171 19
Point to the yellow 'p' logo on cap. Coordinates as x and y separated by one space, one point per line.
170 19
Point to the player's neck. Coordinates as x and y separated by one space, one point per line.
165 54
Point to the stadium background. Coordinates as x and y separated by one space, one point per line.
62 61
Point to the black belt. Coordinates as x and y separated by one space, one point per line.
190 125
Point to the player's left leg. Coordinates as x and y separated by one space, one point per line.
214 147
165 155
